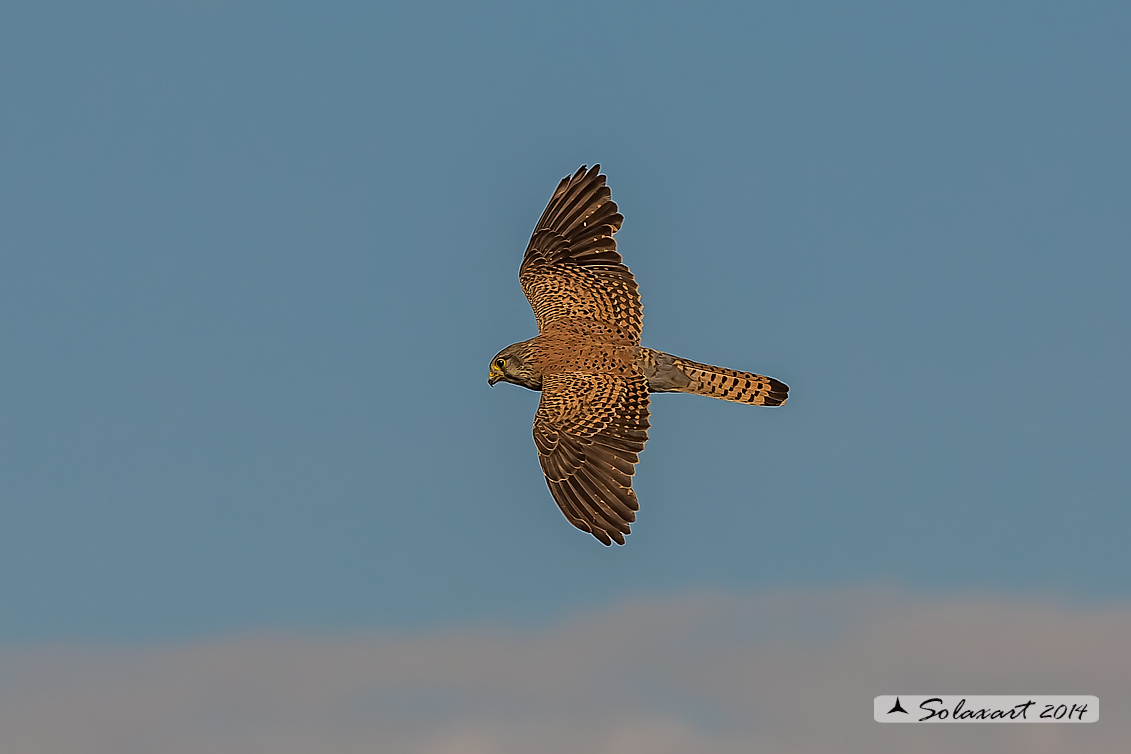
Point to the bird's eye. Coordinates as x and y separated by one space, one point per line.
500 362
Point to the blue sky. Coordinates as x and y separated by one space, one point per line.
256 258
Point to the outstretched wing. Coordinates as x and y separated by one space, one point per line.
571 269
590 429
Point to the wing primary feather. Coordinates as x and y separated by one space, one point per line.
568 507
596 526
599 512
597 453
622 501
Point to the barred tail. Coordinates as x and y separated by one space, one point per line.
667 373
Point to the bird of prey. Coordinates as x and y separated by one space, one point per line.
595 377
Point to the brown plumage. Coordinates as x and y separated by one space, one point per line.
595 377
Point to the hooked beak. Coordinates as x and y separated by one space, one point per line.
494 377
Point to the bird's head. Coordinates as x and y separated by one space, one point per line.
512 365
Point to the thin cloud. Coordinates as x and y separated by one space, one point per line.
700 673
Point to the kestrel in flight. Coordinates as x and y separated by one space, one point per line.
595 377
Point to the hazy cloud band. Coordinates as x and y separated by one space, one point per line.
698 673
